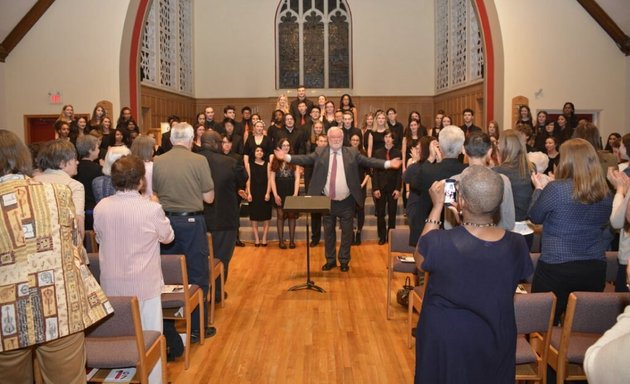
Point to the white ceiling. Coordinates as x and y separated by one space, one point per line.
11 12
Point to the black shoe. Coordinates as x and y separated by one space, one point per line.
381 241
257 245
413 331
357 239
291 245
328 266
194 335
314 243
282 245
239 243
345 268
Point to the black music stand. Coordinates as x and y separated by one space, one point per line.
307 204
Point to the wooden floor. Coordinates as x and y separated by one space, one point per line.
266 334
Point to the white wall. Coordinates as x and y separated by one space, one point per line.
74 49
557 46
392 49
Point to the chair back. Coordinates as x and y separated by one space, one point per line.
595 312
399 241
534 312
174 269
89 242
95 266
119 323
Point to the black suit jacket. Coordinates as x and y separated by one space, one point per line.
228 175
166 144
293 108
352 159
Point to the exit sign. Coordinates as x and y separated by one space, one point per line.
54 98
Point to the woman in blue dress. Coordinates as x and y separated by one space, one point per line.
466 331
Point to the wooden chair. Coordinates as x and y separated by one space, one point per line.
175 273
588 316
534 321
216 272
120 342
398 244
95 266
89 242
611 270
415 302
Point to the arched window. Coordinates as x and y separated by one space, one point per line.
458 48
166 46
313 40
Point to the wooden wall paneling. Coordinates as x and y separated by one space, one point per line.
516 105
158 105
454 102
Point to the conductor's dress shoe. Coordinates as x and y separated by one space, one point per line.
328 266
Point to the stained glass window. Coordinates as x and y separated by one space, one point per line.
166 46
313 44
459 47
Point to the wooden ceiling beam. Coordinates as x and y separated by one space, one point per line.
22 28
608 24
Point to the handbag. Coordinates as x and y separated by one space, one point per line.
402 296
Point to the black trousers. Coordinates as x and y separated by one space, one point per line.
564 278
385 203
223 248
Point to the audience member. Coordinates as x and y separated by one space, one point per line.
518 169
87 171
606 362
58 162
129 229
43 277
222 216
102 185
451 141
574 210
618 221
182 182
425 149
142 148
468 307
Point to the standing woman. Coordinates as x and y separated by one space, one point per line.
412 135
321 103
541 123
67 114
524 116
446 121
574 211
563 129
254 141
518 169
106 139
82 126
62 130
199 131
377 135
355 142
366 129
328 115
551 149
124 118
87 171
285 181
258 190
423 151
97 117
144 147
118 138
493 129
283 104
346 104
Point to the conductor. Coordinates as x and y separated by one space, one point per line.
336 175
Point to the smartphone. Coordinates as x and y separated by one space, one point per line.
450 192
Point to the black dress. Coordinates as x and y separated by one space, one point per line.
285 181
259 209
378 140
467 330
250 147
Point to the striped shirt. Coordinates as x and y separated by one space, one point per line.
129 229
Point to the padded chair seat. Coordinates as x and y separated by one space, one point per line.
524 352
399 266
176 300
116 352
577 346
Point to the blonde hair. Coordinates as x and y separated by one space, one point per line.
514 153
284 109
580 163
